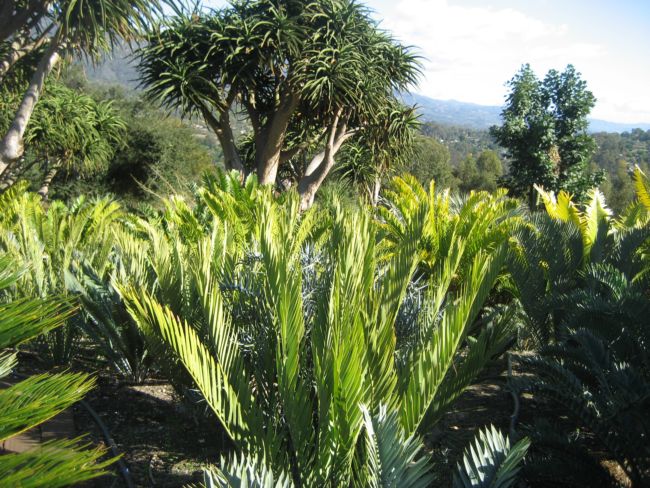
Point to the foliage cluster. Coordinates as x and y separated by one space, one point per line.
328 342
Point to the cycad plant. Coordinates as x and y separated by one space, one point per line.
552 256
582 280
28 403
286 323
50 243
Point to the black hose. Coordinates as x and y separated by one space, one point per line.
515 398
124 470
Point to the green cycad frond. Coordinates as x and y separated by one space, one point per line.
24 319
338 344
490 461
482 221
637 213
52 242
491 341
394 460
434 357
594 221
286 321
282 236
38 399
602 386
561 208
54 464
222 379
642 187
245 472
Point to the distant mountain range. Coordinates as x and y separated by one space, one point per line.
120 68
452 112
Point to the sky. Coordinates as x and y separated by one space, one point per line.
470 48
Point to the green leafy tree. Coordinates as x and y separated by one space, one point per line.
75 27
309 76
467 174
71 132
490 169
545 132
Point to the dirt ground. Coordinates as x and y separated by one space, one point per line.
165 443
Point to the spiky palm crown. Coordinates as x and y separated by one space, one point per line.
254 56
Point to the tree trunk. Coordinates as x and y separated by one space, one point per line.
47 181
321 165
231 157
270 140
8 179
223 131
310 183
375 191
11 147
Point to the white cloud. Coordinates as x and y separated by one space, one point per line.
470 52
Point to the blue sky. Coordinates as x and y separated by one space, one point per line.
472 47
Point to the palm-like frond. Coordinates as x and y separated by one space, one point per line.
490 461
55 464
642 188
286 322
434 358
394 460
244 472
225 388
30 402
39 398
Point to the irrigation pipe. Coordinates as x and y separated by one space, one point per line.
124 470
515 398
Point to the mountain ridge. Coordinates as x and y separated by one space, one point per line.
120 68
481 117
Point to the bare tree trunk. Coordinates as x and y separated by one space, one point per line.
47 181
223 131
8 179
322 163
375 191
11 147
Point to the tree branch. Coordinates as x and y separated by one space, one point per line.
20 47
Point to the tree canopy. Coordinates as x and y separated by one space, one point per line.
65 27
307 76
545 133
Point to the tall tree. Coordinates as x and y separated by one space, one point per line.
309 76
545 132
79 27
